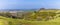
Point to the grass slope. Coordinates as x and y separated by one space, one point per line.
50 22
10 21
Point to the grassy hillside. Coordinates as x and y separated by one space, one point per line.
10 21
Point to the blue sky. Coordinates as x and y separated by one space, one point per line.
29 4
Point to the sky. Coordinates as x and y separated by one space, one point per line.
29 4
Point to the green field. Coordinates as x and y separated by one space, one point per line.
10 21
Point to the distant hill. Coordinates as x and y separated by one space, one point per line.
18 9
